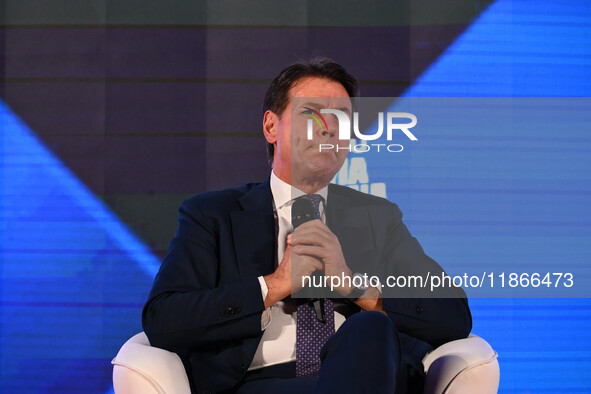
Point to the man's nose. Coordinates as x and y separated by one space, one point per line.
333 127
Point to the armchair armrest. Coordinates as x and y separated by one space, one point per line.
464 366
140 368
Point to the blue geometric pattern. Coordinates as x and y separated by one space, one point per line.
519 49
516 49
74 278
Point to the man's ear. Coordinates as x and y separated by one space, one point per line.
270 121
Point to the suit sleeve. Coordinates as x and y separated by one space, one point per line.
434 317
188 306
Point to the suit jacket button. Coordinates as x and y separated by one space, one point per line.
243 368
419 309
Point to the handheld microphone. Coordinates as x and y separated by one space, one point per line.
303 211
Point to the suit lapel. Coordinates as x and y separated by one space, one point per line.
352 225
336 209
253 229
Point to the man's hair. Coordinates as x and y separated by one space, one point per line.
277 95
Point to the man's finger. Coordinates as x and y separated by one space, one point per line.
311 250
312 235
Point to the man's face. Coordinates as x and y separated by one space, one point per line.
297 159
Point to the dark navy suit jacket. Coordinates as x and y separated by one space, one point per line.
206 301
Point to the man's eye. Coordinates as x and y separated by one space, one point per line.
307 112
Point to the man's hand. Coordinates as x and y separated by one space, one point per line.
371 301
314 239
279 282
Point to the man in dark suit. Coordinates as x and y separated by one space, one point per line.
221 298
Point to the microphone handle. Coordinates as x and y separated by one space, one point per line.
319 309
303 211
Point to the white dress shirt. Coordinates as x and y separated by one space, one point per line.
278 344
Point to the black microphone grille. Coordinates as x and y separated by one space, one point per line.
302 211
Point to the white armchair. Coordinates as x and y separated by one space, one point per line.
464 366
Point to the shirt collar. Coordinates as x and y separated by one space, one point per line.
283 192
